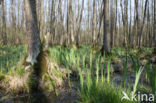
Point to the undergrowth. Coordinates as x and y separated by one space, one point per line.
94 71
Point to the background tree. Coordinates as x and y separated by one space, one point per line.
106 43
131 22
71 22
79 24
93 24
155 25
136 19
142 26
4 35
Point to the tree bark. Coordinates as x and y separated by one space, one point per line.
67 24
129 34
13 16
125 22
155 26
136 21
52 21
71 22
33 36
112 23
106 43
155 21
143 22
4 35
61 22
79 24
100 21
93 25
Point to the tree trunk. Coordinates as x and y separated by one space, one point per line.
33 37
125 22
106 43
155 21
136 21
61 22
52 21
88 20
101 13
67 24
129 34
112 23
155 26
79 23
4 36
142 26
71 22
93 25
39 11
13 16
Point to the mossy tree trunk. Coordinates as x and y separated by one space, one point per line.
34 47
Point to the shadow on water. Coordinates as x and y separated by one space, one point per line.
37 94
30 98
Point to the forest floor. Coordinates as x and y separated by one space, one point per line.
90 77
